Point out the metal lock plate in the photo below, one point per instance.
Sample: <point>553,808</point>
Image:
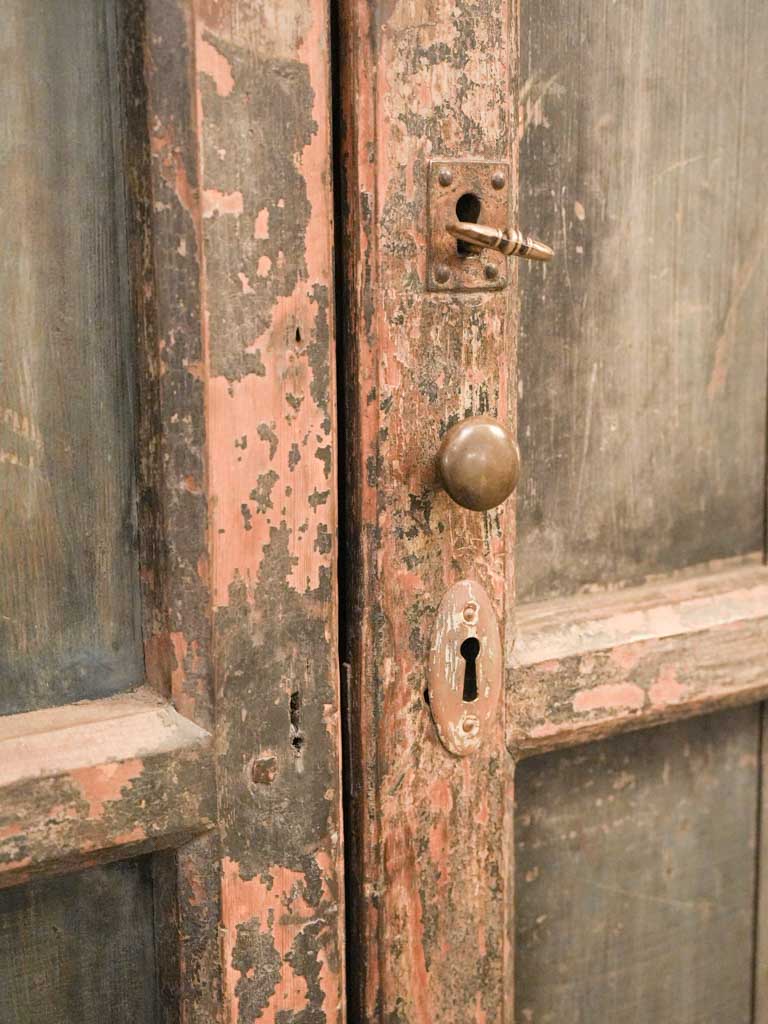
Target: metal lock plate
<point>453,182</point>
<point>465,668</point>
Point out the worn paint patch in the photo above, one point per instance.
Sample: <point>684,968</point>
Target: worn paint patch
<point>618,695</point>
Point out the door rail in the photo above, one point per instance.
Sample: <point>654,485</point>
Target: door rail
<point>100,780</point>
<point>586,667</point>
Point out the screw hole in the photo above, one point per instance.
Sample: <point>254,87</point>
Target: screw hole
<point>468,209</point>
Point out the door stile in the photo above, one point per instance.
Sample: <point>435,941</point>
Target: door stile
<point>427,858</point>
<point>242,226</point>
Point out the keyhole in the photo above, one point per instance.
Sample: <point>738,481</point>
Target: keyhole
<point>468,209</point>
<point>469,651</point>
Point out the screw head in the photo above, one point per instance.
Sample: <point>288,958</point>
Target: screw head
<point>498,180</point>
<point>491,271</point>
<point>471,725</point>
<point>442,274</point>
<point>470,612</point>
<point>445,177</point>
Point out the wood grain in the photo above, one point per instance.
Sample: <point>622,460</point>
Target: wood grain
<point>426,848</point>
<point>80,948</point>
<point>635,877</point>
<point>69,616</point>
<point>642,392</point>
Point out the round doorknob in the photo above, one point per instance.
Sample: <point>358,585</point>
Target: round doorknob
<point>479,463</point>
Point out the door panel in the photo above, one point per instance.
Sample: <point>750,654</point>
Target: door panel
<point>80,948</point>
<point>639,533</point>
<point>642,361</point>
<point>69,614</point>
<point>635,876</point>
<point>228,764</point>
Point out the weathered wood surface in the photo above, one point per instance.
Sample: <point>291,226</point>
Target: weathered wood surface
<point>100,779</point>
<point>591,665</point>
<point>69,619</point>
<point>427,842</point>
<point>642,396</point>
<point>249,189</point>
<point>158,53</point>
<point>635,877</point>
<point>80,949</point>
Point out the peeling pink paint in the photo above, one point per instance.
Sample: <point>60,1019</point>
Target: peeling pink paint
<point>215,202</point>
<point>666,689</point>
<point>213,64</point>
<point>261,224</point>
<point>104,783</point>
<point>245,284</point>
<point>612,695</point>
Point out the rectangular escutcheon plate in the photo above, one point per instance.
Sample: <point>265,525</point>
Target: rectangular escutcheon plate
<point>474,190</point>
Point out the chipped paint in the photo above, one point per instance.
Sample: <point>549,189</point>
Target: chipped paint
<point>610,695</point>
<point>701,638</point>
<point>417,81</point>
<point>264,122</point>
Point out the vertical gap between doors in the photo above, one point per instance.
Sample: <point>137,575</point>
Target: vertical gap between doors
<point>759,995</point>
<point>345,559</point>
<point>765,477</point>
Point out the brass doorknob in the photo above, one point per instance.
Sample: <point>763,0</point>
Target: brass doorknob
<point>479,463</point>
<point>510,242</point>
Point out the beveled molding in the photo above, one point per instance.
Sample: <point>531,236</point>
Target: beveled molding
<point>100,780</point>
<point>586,667</point>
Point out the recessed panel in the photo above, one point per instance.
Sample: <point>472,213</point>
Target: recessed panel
<point>635,877</point>
<point>68,598</point>
<point>642,350</point>
<point>79,949</point>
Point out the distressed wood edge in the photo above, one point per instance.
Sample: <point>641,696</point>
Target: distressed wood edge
<point>760,980</point>
<point>164,212</point>
<point>635,686</point>
<point>77,737</point>
<point>100,780</point>
<point>187,902</point>
<point>356,177</point>
<point>593,622</point>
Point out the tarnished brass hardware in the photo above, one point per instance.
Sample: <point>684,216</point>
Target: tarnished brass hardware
<point>465,668</point>
<point>510,241</point>
<point>479,463</point>
<point>484,184</point>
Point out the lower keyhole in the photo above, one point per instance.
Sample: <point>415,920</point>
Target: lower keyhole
<point>469,651</point>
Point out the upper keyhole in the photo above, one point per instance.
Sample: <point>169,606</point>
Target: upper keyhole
<point>468,209</point>
<point>469,651</point>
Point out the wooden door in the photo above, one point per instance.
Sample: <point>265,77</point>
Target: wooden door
<point>170,833</point>
<point>598,858</point>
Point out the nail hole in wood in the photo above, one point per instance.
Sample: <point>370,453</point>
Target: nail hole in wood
<point>297,737</point>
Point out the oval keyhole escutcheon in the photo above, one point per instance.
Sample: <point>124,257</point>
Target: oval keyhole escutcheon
<point>465,668</point>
